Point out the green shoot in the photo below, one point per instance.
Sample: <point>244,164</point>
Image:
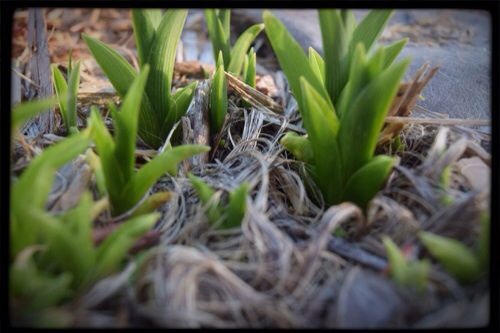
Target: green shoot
<point>410,274</point>
<point>124,186</point>
<point>343,101</point>
<point>156,41</point>
<point>218,97</point>
<point>218,22</point>
<point>67,93</point>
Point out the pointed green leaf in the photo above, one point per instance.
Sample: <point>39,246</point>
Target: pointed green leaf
<point>111,252</point>
<point>145,22</point>
<point>179,105</point>
<point>25,110</point>
<point>237,206</point>
<point>335,49</point>
<point>457,258</point>
<point>241,47</point>
<point>317,64</point>
<point>218,37</point>
<point>393,50</point>
<point>72,95</point>
<point>154,169</point>
<point>292,59</point>
<point>362,122</point>
<point>161,59</point>
<point>367,181</point>
<point>398,264</point>
<point>322,126</point>
<point>206,195</point>
<point>126,123</point>
<point>299,146</point>
<point>369,29</point>
<point>218,100</point>
<point>61,89</point>
<point>249,72</point>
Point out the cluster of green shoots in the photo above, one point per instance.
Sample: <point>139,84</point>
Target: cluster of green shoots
<point>343,98</point>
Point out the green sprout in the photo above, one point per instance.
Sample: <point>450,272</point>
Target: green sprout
<point>465,265</point>
<point>410,274</point>
<point>156,38</point>
<point>218,97</point>
<point>124,186</point>
<point>67,94</point>
<point>232,214</point>
<point>218,22</point>
<point>343,99</point>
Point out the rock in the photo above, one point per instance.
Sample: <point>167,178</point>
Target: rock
<point>457,40</point>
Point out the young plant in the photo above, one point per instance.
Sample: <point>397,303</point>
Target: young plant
<point>343,100</point>
<point>249,71</point>
<point>218,22</point>
<point>218,97</point>
<point>124,186</point>
<point>232,214</point>
<point>410,274</point>
<point>28,194</point>
<point>156,38</point>
<point>461,262</point>
<point>67,94</point>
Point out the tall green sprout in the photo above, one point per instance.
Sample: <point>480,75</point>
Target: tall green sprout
<point>343,99</point>
<point>156,38</point>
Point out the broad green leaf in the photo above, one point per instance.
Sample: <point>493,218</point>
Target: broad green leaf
<point>113,249</point>
<point>322,130</point>
<point>145,22</point>
<point>457,258</point>
<point>118,70</point>
<point>241,47</point>
<point>393,50</point>
<point>362,122</point>
<point>237,206</point>
<point>317,64</point>
<point>367,181</point>
<point>224,16</point>
<point>161,59</point>
<point>292,59</point>
<point>61,89</point>
<point>25,110</point>
<point>218,99</point>
<point>154,169</point>
<point>370,28</point>
<point>336,52</point>
<point>121,75</point>
<point>299,146</point>
<point>206,195</point>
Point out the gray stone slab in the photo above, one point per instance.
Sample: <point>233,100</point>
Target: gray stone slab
<point>457,40</point>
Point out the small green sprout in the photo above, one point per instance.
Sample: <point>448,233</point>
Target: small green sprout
<point>218,97</point>
<point>460,261</point>
<point>232,214</point>
<point>156,38</point>
<point>124,186</point>
<point>67,94</point>
<point>343,101</point>
<point>410,274</point>
<point>218,22</point>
